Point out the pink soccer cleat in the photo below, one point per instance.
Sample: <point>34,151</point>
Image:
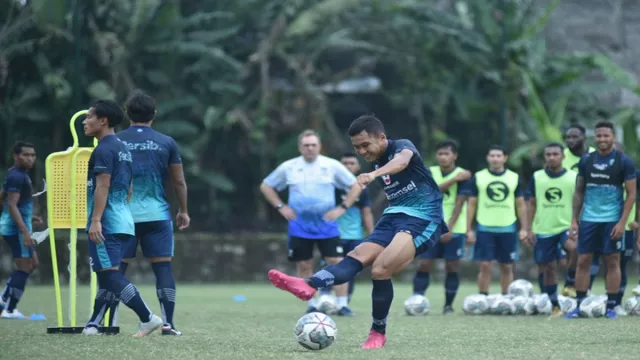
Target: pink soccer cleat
<point>375,340</point>
<point>295,285</point>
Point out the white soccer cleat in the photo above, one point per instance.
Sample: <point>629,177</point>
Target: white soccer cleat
<point>150,326</point>
<point>90,331</point>
<point>15,314</point>
<point>168,330</point>
<point>636,290</point>
<point>620,311</point>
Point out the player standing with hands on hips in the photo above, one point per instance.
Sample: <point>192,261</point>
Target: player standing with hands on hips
<point>312,180</point>
<point>600,213</point>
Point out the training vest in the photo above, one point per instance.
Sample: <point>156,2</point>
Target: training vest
<point>570,161</point>
<point>496,198</point>
<point>554,198</point>
<point>449,199</point>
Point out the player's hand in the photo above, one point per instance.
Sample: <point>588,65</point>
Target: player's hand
<point>463,175</point>
<point>334,214</point>
<point>182,220</point>
<point>573,231</point>
<point>37,220</point>
<point>365,179</point>
<point>129,194</point>
<point>531,239</point>
<point>617,231</point>
<point>471,237</point>
<point>95,232</point>
<point>287,213</point>
<point>446,238</point>
<point>35,261</point>
<point>634,225</point>
<point>524,236</point>
<point>27,241</point>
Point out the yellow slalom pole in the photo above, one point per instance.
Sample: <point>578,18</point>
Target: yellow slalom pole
<point>52,242</point>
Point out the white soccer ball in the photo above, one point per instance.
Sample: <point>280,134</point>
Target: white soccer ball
<point>416,305</point>
<point>542,304</point>
<point>530,307</point>
<point>315,331</point>
<point>492,299</point>
<point>567,304</point>
<point>593,307</point>
<point>475,304</point>
<point>521,287</point>
<point>632,305</point>
<point>522,305</point>
<point>502,306</point>
<point>328,304</point>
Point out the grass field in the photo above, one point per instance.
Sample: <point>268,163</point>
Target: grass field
<point>216,327</point>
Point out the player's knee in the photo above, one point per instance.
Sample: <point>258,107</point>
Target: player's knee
<point>506,268</point>
<point>333,260</point>
<point>154,260</point>
<point>452,266</point>
<point>380,272</point>
<point>424,265</point>
<point>485,267</point>
<point>25,265</point>
<point>304,266</point>
<point>612,263</point>
<point>584,263</point>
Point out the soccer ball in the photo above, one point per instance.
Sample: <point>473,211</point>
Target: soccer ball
<point>632,305</point>
<point>328,304</point>
<point>475,304</point>
<point>315,331</point>
<point>502,306</point>
<point>522,305</point>
<point>593,306</point>
<point>567,304</point>
<point>521,287</point>
<point>416,305</point>
<point>492,298</point>
<point>542,304</point>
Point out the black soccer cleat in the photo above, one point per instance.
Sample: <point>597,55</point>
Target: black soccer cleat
<point>448,309</point>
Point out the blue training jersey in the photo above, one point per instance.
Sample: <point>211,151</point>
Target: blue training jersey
<point>350,223</point>
<point>153,153</point>
<point>312,188</point>
<point>17,181</point>
<point>604,178</point>
<point>412,191</point>
<point>112,157</point>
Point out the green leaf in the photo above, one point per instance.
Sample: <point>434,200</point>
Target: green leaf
<point>615,72</point>
<point>101,90</point>
<point>213,36</point>
<point>559,111</point>
<point>217,180</point>
<point>211,118</point>
<point>310,20</point>
<point>167,107</point>
<point>177,128</point>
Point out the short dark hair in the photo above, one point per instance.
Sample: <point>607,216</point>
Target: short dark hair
<point>556,145</point>
<point>19,145</point>
<point>369,123</point>
<point>348,155</point>
<point>109,109</point>
<point>497,147</point>
<point>449,143</point>
<point>605,124</point>
<point>578,127</point>
<point>141,108</point>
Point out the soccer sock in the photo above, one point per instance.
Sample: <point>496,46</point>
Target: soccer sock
<point>381,298</point>
<point>541,281</point>
<point>612,300</point>
<point>623,278</point>
<point>580,295</point>
<point>570,280</point>
<point>485,293</point>
<point>451,285</point>
<point>552,291</point>
<point>103,299</point>
<point>166,289</point>
<point>343,301</point>
<point>336,274</point>
<point>113,310</point>
<point>352,286</point>
<point>421,282</point>
<point>15,288</point>
<point>129,295</point>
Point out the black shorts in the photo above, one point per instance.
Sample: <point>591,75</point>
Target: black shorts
<point>301,249</point>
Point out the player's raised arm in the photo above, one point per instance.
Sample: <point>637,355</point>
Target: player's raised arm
<point>462,176</point>
<point>399,162</point>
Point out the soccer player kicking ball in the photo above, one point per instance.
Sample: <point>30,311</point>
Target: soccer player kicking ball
<point>452,181</point>
<point>155,157</point>
<point>16,226</point>
<point>409,226</point>
<point>496,203</point>
<point>550,194</point>
<point>110,224</point>
<point>600,213</point>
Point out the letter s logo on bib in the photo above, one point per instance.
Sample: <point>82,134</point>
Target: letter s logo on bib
<point>497,191</point>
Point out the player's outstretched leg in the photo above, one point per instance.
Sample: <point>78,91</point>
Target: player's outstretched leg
<point>130,296</point>
<point>104,300</point>
<point>166,290</point>
<point>451,284</point>
<point>113,309</point>
<point>12,294</point>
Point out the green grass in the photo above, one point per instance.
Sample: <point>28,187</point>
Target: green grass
<point>216,327</point>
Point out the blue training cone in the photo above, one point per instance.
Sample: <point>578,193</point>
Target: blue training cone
<point>37,317</point>
<point>239,298</point>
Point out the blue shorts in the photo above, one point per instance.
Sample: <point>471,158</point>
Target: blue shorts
<point>18,250</point>
<point>501,247</point>
<point>349,245</point>
<point>425,233</point>
<point>453,250</point>
<point>595,238</point>
<point>549,248</point>
<point>629,243</point>
<point>109,253</point>
<point>154,237</point>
